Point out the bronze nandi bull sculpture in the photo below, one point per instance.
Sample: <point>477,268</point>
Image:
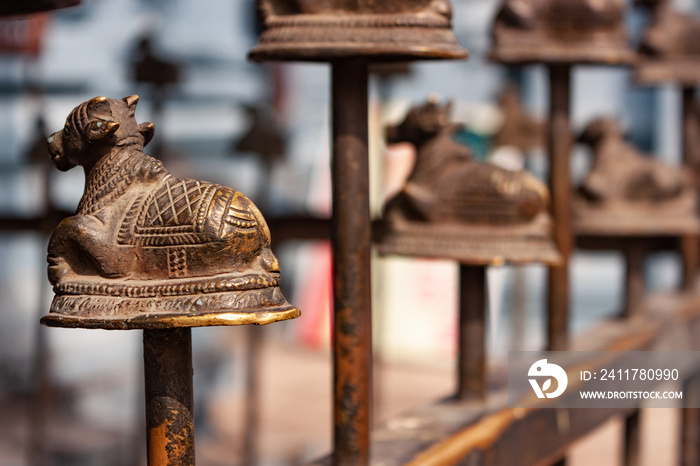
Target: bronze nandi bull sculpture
<point>455,206</point>
<point>620,173</point>
<point>670,34</point>
<point>627,192</point>
<point>560,31</point>
<point>147,249</point>
<point>670,46</point>
<point>447,184</point>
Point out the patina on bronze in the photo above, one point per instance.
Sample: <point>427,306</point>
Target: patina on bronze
<point>149,250</point>
<point>670,47</point>
<point>453,206</point>
<point>324,30</point>
<point>628,193</point>
<point>557,31</point>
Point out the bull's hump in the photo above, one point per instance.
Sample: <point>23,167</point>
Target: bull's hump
<point>229,212</point>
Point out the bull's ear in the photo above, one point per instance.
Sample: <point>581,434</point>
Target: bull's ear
<point>147,129</point>
<point>131,102</point>
<point>97,104</point>
<point>97,130</point>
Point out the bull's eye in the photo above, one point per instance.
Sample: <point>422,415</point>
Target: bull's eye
<point>99,123</point>
<point>49,139</point>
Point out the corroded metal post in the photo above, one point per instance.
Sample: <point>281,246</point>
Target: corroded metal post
<point>471,384</point>
<point>351,237</point>
<point>633,439</point>
<point>690,252</point>
<point>167,357</point>
<point>348,35</point>
<point>559,148</point>
<point>251,412</point>
<point>690,122</point>
<point>690,422</point>
<point>634,277</point>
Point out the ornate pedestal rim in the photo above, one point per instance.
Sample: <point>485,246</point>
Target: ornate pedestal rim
<point>682,69</point>
<point>525,48</point>
<point>471,244</point>
<point>240,307</point>
<point>146,321</point>
<point>372,37</point>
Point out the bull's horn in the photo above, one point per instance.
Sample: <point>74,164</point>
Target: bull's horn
<point>131,100</point>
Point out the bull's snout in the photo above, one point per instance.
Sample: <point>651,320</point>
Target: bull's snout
<point>55,142</point>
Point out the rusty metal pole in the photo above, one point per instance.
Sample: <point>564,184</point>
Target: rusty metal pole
<point>167,356</point>
<point>690,249</point>
<point>690,417</point>
<point>634,277</point>
<point>351,236</point>
<point>690,422</point>
<point>633,439</point>
<point>559,148</point>
<point>689,124</point>
<point>251,413</point>
<point>471,377</point>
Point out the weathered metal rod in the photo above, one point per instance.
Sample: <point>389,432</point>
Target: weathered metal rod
<point>251,412</point>
<point>559,148</point>
<point>690,417</point>
<point>690,252</point>
<point>471,377</point>
<point>633,439</point>
<point>690,422</point>
<point>688,124</point>
<point>634,276</point>
<point>167,356</point>
<point>351,237</point>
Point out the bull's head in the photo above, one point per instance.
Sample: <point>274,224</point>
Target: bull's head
<point>93,128</point>
<point>599,130</point>
<point>421,123</point>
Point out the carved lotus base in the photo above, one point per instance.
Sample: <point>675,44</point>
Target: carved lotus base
<point>121,304</point>
<point>471,244</point>
<point>519,47</point>
<point>670,218</point>
<point>684,70</point>
<point>325,37</point>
